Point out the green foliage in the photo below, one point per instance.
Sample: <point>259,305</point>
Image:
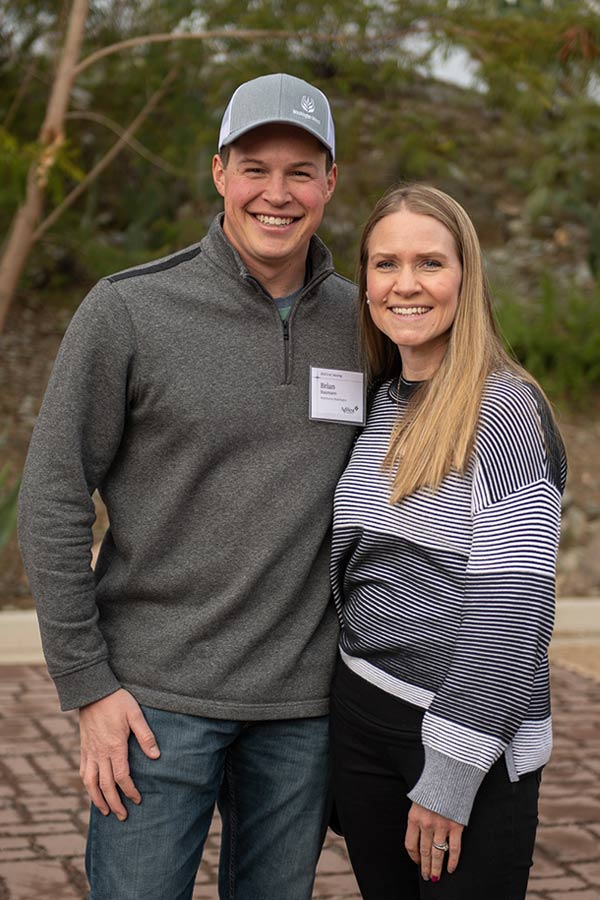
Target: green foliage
<point>8,507</point>
<point>15,159</point>
<point>99,257</point>
<point>527,130</point>
<point>556,338</point>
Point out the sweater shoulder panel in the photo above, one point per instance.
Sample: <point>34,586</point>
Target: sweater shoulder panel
<point>517,442</point>
<point>160,265</point>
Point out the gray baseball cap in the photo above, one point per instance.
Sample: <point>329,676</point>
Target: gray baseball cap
<point>278,98</point>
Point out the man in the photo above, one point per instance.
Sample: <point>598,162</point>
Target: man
<point>199,652</point>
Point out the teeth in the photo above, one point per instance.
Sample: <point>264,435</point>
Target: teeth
<point>274,220</point>
<point>409,310</point>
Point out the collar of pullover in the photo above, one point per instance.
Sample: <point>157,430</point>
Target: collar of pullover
<point>218,249</point>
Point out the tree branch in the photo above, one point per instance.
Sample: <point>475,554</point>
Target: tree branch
<point>229,34</point>
<point>131,141</point>
<point>108,157</point>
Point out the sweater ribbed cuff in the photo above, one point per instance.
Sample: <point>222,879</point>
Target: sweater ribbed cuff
<point>447,786</point>
<point>77,689</point>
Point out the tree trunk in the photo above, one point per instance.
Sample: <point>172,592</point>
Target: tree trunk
<point>26,219</point>
<point>19,243</point>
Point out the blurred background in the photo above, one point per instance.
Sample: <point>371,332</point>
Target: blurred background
<point>109,114</point>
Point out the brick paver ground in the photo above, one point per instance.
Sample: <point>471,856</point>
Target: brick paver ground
<point>43,812</point>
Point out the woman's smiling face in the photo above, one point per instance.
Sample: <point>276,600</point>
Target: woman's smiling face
<point>414,275</point>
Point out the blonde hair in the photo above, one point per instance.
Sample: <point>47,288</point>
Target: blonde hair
<point>438,431</point>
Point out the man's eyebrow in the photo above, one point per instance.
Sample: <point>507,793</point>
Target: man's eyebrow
<point>301,164</point>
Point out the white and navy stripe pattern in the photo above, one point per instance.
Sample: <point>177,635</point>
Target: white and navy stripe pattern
<point>446,599</point>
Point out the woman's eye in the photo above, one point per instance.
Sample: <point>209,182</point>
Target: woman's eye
<point>384,264</point>
<point>431,263</point>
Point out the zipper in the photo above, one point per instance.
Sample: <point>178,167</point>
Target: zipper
<point>287,322</point>
<point>286,348</point>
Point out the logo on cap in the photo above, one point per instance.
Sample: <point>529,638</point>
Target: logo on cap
<point>307,104</point>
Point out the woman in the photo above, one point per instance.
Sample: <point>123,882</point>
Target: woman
<point>445,535</point>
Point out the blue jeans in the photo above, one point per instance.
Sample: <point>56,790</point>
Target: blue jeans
<point>271,782</point>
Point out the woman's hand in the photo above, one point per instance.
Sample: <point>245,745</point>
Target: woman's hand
<point>425,827</point>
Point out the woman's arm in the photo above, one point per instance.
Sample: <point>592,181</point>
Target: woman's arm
<point>496,679</point>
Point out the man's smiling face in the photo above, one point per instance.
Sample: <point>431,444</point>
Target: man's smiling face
<point>275,187</point>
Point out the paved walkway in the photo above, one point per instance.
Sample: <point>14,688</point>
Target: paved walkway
<point>43,812</point>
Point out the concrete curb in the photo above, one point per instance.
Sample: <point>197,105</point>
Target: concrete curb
<point>577,616</point>
<point>20,644</point>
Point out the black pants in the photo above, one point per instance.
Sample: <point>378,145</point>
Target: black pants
<point>377,757</point>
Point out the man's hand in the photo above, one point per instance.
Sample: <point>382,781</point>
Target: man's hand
<point>425,827</point>
<point>104,728</point>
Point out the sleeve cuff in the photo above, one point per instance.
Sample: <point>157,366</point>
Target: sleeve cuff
<point>447,786</point>
<point>77,689</point>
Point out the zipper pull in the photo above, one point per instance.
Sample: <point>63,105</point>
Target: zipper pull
<point>286,330</point>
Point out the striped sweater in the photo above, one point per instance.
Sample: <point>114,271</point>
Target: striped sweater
<point>446,599</point>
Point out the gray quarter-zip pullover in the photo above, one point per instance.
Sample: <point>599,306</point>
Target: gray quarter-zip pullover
<point>182,397</point>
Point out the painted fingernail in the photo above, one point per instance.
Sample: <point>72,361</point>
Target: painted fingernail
<point>435,878</point>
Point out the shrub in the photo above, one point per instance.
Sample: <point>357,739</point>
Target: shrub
<point>556,337</point>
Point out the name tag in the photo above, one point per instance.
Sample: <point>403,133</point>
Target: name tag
<point>337,395</point>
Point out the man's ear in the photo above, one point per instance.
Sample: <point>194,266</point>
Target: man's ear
<point>218,174</point>
<point>331,182</point>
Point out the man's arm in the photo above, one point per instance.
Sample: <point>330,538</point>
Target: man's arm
<point>75,440</point>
